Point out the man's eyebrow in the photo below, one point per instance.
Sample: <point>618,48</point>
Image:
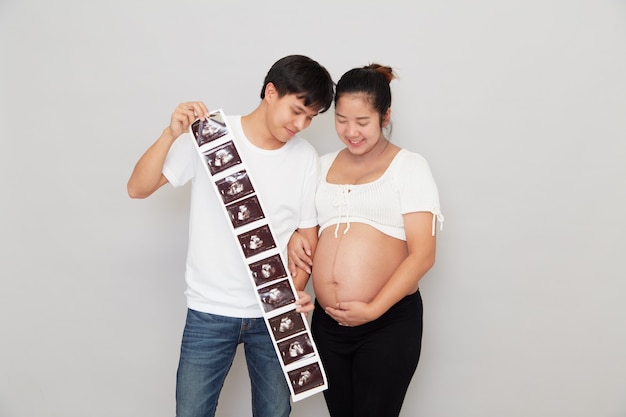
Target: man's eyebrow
<point>304,109</point>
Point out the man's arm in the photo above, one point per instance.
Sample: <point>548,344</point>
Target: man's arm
<point>301,277</point>
<point>299,253</point>
<point>147,176</point>
<point>309,238</point>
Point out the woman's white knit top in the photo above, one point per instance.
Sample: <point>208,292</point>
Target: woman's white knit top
<point>406,186</point>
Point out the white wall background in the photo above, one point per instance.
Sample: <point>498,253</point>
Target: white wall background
<point>519,107</point>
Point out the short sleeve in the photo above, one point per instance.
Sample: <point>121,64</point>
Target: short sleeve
<point>308,211</point>
<point>181,161</point>
<point>417,188</point>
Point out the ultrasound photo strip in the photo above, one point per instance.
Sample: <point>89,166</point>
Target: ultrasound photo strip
<point>276,293</point>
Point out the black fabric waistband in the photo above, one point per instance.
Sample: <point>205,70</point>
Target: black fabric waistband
<point>405,305</point>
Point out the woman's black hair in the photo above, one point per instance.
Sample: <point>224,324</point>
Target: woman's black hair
<point>373,81</point>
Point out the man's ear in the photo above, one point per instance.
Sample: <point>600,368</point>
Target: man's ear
<point>270,91</point>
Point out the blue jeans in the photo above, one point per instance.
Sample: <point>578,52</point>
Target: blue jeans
<point>206,355</point>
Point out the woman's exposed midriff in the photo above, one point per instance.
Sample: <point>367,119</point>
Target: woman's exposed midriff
<point>356,265</point>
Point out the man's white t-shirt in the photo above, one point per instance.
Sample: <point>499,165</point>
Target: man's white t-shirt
<point>218,280</point>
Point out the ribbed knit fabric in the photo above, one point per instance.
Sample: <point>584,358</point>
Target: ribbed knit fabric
<point>407,186</point>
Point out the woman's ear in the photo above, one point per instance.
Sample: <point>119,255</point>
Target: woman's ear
<point>387,117</point>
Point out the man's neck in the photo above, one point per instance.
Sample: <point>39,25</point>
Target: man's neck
<point>255,129</point>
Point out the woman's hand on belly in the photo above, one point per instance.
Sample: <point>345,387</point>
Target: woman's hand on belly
<point>352,313</point>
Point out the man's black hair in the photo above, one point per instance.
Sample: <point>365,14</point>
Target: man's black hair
<point>304,77</point>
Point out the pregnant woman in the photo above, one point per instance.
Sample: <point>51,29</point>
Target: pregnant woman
<point>377,206</point>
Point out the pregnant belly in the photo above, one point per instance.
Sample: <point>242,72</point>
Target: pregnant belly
<point>354,266</point>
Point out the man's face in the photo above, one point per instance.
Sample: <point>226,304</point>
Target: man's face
<point>287,116</point>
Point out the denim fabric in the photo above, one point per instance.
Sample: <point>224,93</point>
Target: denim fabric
<point>207,352</point>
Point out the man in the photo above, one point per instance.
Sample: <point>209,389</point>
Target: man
<point>222,306</point>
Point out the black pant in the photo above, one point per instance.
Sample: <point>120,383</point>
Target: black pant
<point>369,367</point>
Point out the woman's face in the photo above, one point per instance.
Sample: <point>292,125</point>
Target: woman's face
<point>358,124</point>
